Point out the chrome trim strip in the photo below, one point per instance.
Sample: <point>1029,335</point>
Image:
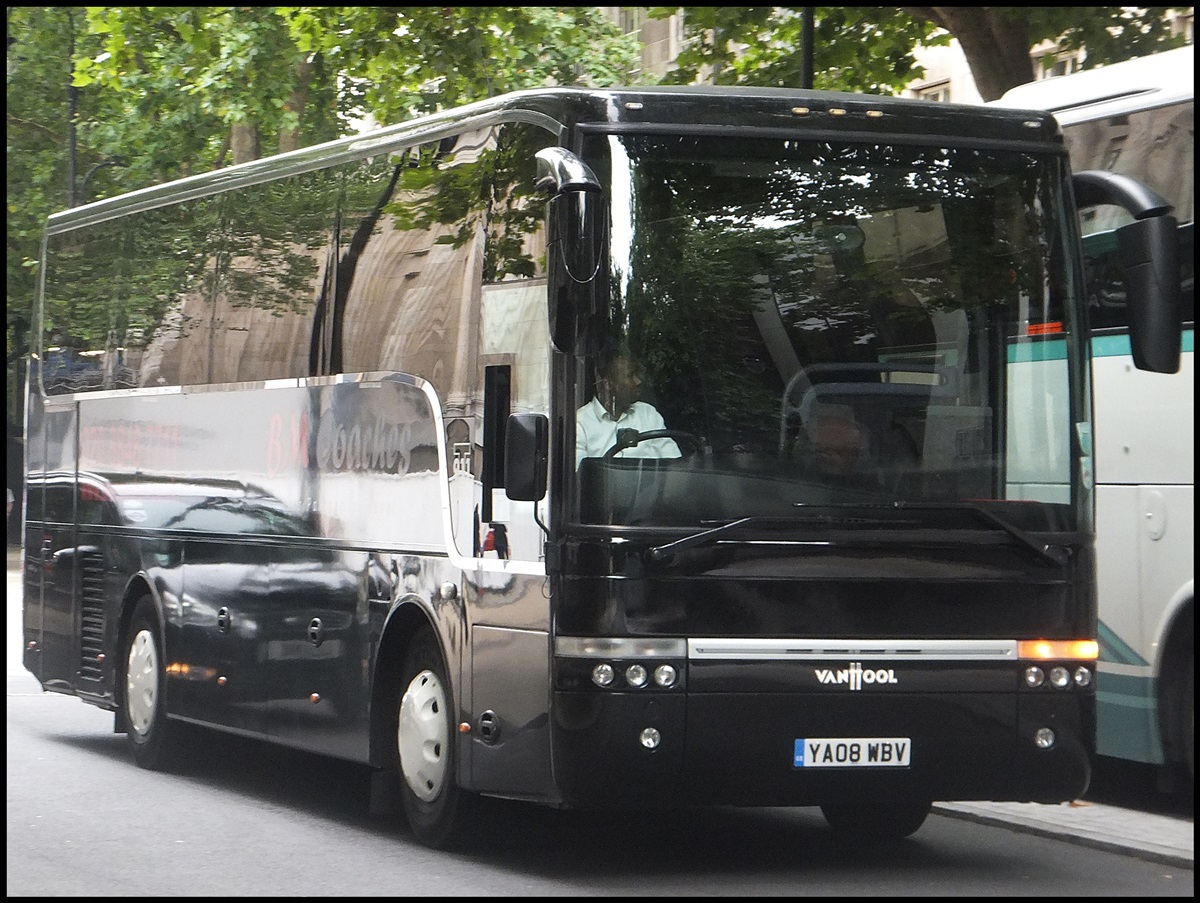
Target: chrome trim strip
<point>619,647</point>
<point>701,649</point>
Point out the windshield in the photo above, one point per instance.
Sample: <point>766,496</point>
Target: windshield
<point>799,323</point>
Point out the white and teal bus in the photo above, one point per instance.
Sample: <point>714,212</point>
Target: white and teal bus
<point>1136,118</point>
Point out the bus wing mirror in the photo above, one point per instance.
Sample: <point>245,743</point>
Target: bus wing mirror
<point>577,215</point>
<point>526,450</point>
<point>1149,258</point>
<point>560,170</point>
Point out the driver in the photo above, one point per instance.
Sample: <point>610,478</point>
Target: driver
<point>616,407</point>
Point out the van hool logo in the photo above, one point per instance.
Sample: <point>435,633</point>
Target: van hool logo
<point>856,676</point>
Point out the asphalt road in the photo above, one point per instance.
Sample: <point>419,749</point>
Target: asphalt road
<point>1123,812</point>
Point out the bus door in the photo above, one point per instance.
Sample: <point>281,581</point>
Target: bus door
<point>506,598</point>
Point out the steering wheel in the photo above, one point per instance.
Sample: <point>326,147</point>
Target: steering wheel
<point>628,438</point>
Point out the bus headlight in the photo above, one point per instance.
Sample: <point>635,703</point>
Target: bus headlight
<point>1083,677</point>
<point>1034,676</point>
<point>650,738</point>
<point>665,675</point>
<point>602,674</point>
<point>635,675</point>
<point>1059,676</point>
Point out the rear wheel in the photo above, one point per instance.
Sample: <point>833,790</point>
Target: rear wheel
<point>878,820</point>
<point>143,698</point>
<point>436,807</point>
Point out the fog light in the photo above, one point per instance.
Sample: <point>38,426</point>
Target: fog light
<point>1034,676</point>
<point>1060,676</point>
<point>651,738</point>
<point>1044,738</point>
<point>1083,677</point>
<point>635,675</point>
<point>665,675</point>
<point>602,675</point>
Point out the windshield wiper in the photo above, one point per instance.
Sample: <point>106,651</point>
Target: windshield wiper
<point>1052,554</point>
<point>661,553</point>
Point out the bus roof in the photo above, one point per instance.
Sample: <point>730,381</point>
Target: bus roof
<point>692,108</point>
<point>1148,81</point>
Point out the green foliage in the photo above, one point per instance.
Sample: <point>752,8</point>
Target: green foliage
<point>158,92</point>
<point>869,49</point>
<point>108,99</point>
<point>399,61</point>
<point>1110,33</point>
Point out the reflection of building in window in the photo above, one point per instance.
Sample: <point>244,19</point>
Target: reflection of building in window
<point>1115,147</point>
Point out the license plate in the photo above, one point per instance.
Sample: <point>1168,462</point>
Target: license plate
<point>852,752</point>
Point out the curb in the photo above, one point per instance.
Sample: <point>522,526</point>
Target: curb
<point>1154,838</point>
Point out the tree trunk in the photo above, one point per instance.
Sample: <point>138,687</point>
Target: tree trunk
<point>996,46</point>
<point>289,139</point>
<point>243,139</point>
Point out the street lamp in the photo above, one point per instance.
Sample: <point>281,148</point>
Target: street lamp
<point>83,189</point>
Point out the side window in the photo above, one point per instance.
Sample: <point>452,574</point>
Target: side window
<point>60,503</point>
<point>410,268</point>
<point>410,254</point>
<point>173,255</point>
<point>514,339</point>
<point>215,290</point>
<point>34,495</point>
<point>1154,147</point>
<point>274,276</point>
<point>85,294</point>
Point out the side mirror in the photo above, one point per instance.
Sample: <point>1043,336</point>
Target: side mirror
<point>1149,258</point>
<point>526,451</point>
<point>577,215</point>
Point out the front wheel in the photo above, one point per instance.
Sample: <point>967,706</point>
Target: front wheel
<point>878,820</point>
<point>143,700</point>
<point>436,807</point>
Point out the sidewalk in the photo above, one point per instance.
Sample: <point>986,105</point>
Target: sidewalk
<point>1146,835</point>
<point>1156,838</point>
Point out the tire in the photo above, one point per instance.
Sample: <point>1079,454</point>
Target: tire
<point>1187,721</point>
<point>143,688</point>
<point>438,810</point>
<point>880,820</point>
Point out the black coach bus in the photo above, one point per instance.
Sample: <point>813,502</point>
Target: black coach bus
<point>594,448</point>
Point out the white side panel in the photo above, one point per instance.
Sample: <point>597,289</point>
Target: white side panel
<point>1145,423</point>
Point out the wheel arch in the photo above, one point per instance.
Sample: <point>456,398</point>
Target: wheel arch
<point>407,619</point>
<point>1177,645</point>
<point>139,585</point>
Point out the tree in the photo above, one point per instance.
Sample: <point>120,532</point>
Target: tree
<point>870,49</point>
<point>109,99</point>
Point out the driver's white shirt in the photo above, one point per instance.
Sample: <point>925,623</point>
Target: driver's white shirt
<point>596,432</point>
